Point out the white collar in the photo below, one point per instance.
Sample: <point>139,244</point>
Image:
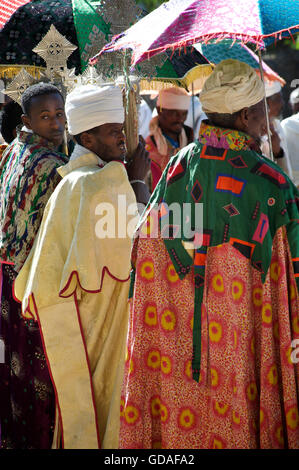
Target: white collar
<point>80,157</point>
<point>26,129</point>
<point>79,150</point>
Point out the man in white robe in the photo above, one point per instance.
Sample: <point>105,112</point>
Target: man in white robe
<point>75,280</point>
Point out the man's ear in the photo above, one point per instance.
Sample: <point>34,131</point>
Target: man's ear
<point>26,121</point>
<point>242,120</point>
<point>86,139</point>
<point>243,116</point>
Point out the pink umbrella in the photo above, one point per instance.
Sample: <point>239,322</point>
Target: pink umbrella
<point>7,8</point>
<point>179,23</point>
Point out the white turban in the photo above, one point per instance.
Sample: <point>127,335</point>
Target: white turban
<point>272,87</point>
<point>232,86</point>
<point>89,106</point>
<point>174,98</point>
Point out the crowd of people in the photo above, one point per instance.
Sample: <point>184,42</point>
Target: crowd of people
<point>150,301</point>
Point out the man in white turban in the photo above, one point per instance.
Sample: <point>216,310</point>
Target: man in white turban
<point>213,329</point>
<point>75,280</point>
<point>167,132</point>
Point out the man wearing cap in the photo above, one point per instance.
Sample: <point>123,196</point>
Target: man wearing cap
<point>167,132</point>
<point>279,145</point>
<point>75,281</point>
<point>290,127</point>
<point>213,330</point>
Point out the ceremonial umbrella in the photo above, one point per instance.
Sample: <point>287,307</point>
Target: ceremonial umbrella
<point>24,30</point>
<point>216,51</point>
<point>191,67</point>
<point>178,23</point>
<point>88,25</point>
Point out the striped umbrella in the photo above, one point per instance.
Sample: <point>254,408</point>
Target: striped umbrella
<point>7,8</point>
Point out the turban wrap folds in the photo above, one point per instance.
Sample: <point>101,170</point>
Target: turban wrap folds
<point>232,86</point>
<point>174,98</point>
<point>89,106</point>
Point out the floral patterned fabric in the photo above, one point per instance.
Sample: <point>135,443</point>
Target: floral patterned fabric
<point>247,393</point>
<point>210,340</point>
<point>245,199</point>
<point>225,138</point>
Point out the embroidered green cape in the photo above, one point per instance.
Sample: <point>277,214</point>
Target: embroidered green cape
<point>245,199</point>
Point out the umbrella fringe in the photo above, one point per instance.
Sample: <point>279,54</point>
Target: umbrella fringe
<point>156,84</point>
<point>11,71</point>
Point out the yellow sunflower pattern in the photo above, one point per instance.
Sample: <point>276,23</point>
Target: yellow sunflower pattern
<point>246,326</point>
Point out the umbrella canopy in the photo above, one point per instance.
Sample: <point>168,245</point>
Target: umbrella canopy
<point>79,21</point>
<point>179,23</point>
<point>7,8</point>
<point>86,26</point>
<point>188,69</point>
<point>18,41</point>
<point>216,51</point>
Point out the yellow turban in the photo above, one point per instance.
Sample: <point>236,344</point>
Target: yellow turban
<point>232,86</point>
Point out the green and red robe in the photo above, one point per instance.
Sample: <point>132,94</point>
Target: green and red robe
<point>211,357</point>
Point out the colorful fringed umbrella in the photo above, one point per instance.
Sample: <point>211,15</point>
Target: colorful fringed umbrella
<point>188,69</point>
<point>24,30</point>
<point>179,23</point>
<point>216,51</point>
<point>87,25</point>
<point>191,67</point>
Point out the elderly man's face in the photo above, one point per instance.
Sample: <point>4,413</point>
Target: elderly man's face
<point>171,121</point>
<point>256,120</point>
<point>107,141</point>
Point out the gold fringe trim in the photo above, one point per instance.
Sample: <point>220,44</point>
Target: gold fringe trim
<point>196,77</point>
<point>10,71</point>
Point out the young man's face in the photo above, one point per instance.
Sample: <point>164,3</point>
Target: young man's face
<point>172,120</point>
<point>107,141</point>
<point>46,117</point>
